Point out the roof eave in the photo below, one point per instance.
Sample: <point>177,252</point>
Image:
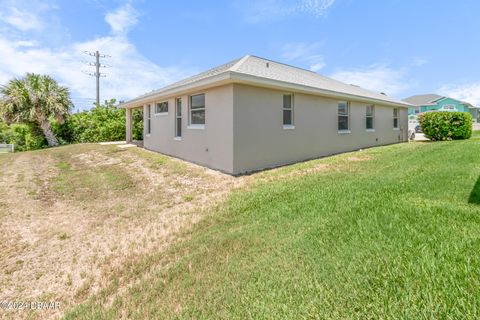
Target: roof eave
<point>217,80</point>
<point>236,77</point>
<point>277,84</point>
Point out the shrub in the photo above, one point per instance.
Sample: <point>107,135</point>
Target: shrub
<point>137,130</point>
<point>23,136</point>
<point>444,125</point>
<point>101,123</point>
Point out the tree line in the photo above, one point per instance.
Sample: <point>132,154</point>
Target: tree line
<point>36,112</point>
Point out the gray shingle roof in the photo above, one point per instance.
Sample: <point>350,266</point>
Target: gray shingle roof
<point>423,99</point>
<point>278,71</point>
<point>257,68</point>
<point>204,75</point>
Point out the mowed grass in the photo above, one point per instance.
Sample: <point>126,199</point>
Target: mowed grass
<point>393,232</point>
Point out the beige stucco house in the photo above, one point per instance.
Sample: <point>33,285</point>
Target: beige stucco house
<point>253,113</point>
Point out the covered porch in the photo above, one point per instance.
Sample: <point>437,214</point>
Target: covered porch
<point>134,125</point>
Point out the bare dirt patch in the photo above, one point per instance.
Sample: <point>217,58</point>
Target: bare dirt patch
<point>71,216</point>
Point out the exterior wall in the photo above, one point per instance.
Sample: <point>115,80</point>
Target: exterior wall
<point>458,105</point>
<point>211,146</point>
<point>440,105</point>
<point>260,141</point>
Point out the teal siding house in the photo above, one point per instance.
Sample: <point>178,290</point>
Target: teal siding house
<point>435,102</point>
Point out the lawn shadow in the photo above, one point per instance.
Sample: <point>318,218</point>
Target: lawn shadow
<point>475,195</point>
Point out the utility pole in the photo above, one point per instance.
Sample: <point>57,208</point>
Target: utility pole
<point>97,73</point>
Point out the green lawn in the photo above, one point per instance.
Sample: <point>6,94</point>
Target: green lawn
<point>386,233</point>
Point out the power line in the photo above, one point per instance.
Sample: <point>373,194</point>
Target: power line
<point>81,98</point>
<point>97,74</point>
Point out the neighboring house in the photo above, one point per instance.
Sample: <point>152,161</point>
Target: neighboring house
<point>435,102</point>
<point>253,113</point>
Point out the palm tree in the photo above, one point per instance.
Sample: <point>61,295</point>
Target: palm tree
<point>35,99</point>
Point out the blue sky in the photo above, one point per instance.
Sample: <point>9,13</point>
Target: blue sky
<point>400,47</point>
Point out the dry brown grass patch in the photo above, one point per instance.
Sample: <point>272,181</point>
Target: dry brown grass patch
<point>74,215</point>
<point>359,158</point>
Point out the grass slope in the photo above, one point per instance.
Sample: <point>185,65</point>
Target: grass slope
<point>393,232</point>
<point>71,216</point>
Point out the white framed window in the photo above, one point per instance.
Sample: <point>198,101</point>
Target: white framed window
<point>395,118</point>
<point>287,110</point>
<point>178,118</point>
<point>197,110</point>
<point>343,116</point>
<point>149,119</point>
<point>370,117</point>
<point>161,107</point>
<point>417,110</point>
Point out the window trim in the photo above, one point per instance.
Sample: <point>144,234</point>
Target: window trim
<point>164,113</point>
<point>348,130</point>
<point>196,125</point>
<point>372,129</point>
<point>397,117</point>
<point>291,125</point>
<point>176,117</point>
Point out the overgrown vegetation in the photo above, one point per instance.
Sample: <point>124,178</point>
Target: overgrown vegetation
<point>444,125</point>
<point>35,100</point>
<point>35,112</point>
<point>102,123</point>
<point>23,136</point>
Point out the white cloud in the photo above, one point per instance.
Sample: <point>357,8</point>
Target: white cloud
<point>315,7</point>
<point>131,74</point>
<point>25,43</point>
<point>468,92</point>
<point>264,10</point>
<point>21,19</point>
<point>306,53</point>
<point>298,50</point>
<point>377,77</point>
<point>122,19</point>
<point>318,65</point>
<point>419,62</point>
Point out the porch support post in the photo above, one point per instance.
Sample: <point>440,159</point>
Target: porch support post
<point>128,114</point>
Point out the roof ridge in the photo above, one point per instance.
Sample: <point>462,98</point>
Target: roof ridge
<point>324,77</point>
<point>285,64</point>
<point>239,63</point>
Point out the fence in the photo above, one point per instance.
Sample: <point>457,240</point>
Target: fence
<point>6,148</point>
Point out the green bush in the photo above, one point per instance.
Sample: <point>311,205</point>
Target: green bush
<point>137,118</point>
<point>444,125</point>
<point>101,123</point>
<point>23,136</point>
